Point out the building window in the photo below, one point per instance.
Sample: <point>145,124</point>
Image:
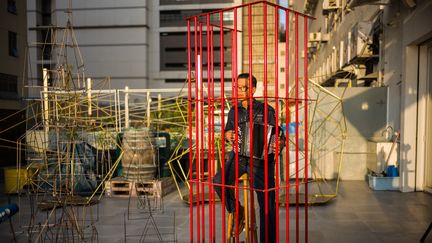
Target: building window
<point>181,2</point>
<point>170,18</point>
<point>282,69</point>
<point>173,51</point>
<point>13,47</point>
<point>8,85</point>
<point>11,6</point>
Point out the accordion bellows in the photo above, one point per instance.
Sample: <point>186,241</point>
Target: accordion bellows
<point>257,137</point>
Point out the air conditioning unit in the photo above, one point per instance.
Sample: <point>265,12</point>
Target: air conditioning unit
<point>318,37</point>
<point>315,36</point>
<point>331,5</point>
<point>290,3</point>
<point>312,47</point>
<point>361,38</point>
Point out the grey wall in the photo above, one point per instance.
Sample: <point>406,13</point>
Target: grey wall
<point>405,30</point>
<point>393,62</point>
<point>359,118</point>
<point>113,39</point>
<point>365,114</point>
<point>402,27</point>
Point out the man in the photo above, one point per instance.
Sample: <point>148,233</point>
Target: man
<point>258,172</point>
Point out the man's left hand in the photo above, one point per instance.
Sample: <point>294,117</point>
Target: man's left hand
<point>273,146</point>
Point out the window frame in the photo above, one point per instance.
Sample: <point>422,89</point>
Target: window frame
<point>13,44</point>
<point>12,7</point>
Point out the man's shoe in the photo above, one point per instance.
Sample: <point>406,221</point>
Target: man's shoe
<point>241,221</point>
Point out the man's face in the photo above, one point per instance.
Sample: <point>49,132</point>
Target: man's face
<point>243,89</point>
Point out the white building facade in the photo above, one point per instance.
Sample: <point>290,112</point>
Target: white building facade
<point>137,43</point>
<point>364,44</point>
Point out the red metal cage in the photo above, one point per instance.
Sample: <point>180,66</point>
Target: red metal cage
<point>222,44</point>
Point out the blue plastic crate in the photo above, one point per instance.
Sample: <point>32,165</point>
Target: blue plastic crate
<point>384,183</point>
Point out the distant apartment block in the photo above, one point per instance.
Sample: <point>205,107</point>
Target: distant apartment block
<point>13,38</point>
<point>13,32</point>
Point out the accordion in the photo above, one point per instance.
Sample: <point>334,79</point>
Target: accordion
<point>257,138</point>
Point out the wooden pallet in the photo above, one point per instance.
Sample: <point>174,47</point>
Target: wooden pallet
<point>144,189</point>
<point>120,187</point>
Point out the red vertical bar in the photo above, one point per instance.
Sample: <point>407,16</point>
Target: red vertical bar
<point>234,73</point>
<point>215,158</point>
<point>265,124</point>
<point>222,78</point>
<point>209,145</point>
<point>191,155</point>
<point>212,129</point>
<point>201,141</point>
<point>297,122</point>
<point>213,141</point>
<point>305,69</point>
<point>287,111</point>
<point>198,138</point>
<point>276,57</point>
<point>251,191</point>
<point>189,122</point>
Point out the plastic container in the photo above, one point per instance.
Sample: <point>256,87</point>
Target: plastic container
<point>384,183</point>
<point>15,179</point>
<point>392,171</point>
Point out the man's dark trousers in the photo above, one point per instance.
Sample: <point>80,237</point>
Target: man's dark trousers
<point>258,183</point>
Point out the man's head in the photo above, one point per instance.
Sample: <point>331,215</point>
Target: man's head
<point>243,85</point>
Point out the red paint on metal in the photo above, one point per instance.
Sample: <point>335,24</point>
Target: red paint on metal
<point>287,121</point>
<point>265,123</point>
<point>276,60</point>
<point>296,52</point>
<point>305,65</point>
<point>251,179</point>
<point>208,120</point>
<point>222,78</point>
<point>207,218</point>
<point>190,124</point>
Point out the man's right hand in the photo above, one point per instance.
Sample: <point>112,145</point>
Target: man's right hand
<point>230,136</point>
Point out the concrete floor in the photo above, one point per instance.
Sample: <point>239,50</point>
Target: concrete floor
<point>358,214</point>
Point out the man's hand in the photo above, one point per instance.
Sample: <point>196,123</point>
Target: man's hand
<point>230,136</point>
<point>273,146</point>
